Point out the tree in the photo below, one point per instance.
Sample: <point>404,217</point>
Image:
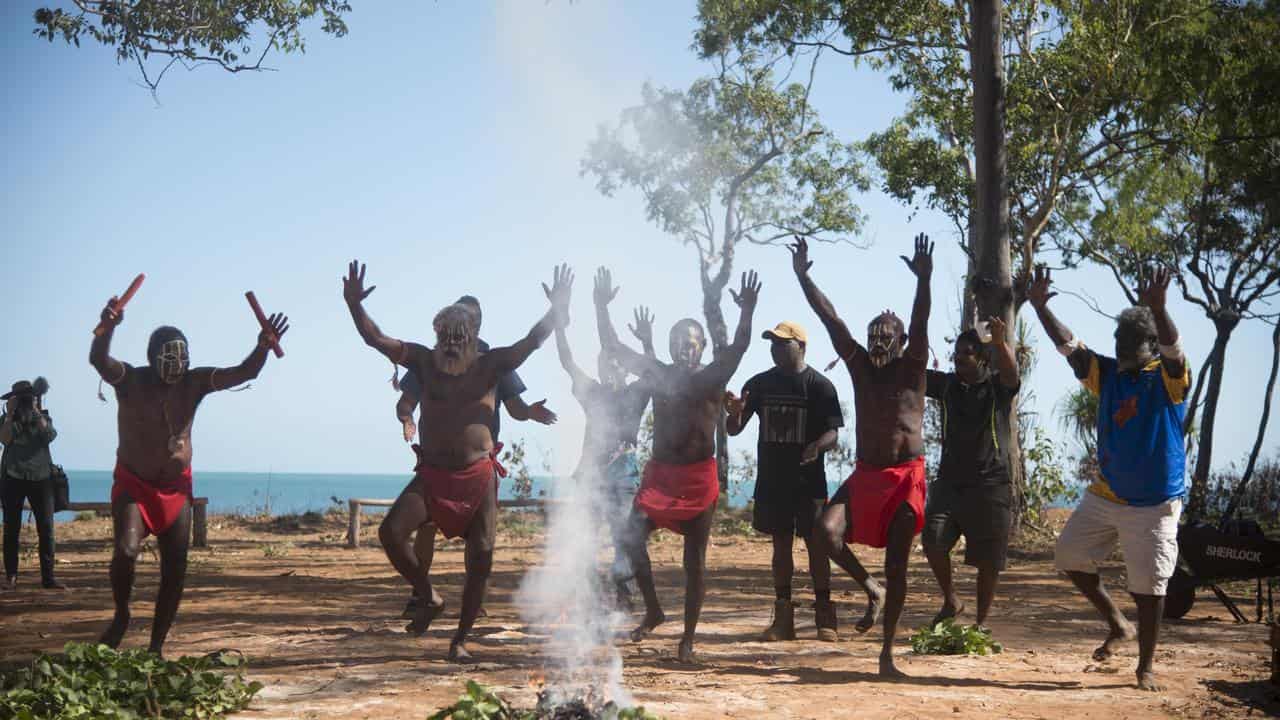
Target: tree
<point>738,157</point>
<point>1060,75</point>
<point>1207,203</point>
<point>190,32</point>
<point>1079,108</point>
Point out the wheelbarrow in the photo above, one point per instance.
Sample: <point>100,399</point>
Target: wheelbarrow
<point>1208,556</point>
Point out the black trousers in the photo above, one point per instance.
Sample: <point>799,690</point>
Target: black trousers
<point>40,495</point>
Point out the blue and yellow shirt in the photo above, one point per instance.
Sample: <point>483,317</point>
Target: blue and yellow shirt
<point>1140,447</point>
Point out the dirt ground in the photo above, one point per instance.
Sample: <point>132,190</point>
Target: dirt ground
<point>320,624</point>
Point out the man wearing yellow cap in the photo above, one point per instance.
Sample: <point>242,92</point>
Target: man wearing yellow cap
<point>799,414</point>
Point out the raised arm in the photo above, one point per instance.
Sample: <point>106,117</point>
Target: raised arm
<point>1038,295</point>
<point>841,339</point>
<point>643,331</point>
<point>1005,362</point>
<point>354,292</point>
<point>579,378</point>
<point>1152,289</point>
<point>726,364</point>
<point>109,369</point>
<point>633,361</point>
<point>921,264</point>
<point>223,378</point>
<point>507,359</point>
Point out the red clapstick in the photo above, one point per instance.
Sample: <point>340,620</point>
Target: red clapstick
<point>262,320</point>
<point>118,305</point>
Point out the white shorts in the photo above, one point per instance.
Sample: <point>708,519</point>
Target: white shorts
<point>1148,538</point>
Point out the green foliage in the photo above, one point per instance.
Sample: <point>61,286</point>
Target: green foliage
<point>478,703</point>
<point>1078,414</point>
<point>481,703</point>
<point>218,32</point>
<point>84,515</point>
<point>736,157</point>
<point>1077,107</point>
<point>94,681</point>
<point>513,458</point>
<point>740,146</point>
<point>1046,482</point>
<point>948,638</point>
<point>276,550</point>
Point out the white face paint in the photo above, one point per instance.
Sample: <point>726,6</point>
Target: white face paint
<point>883,343</point>
<point>172,362</point>
<point>455,350</point>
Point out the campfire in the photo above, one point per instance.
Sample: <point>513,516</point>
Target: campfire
<point>590,705</point>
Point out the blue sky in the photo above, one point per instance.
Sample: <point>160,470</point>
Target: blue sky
<point>440,144</point>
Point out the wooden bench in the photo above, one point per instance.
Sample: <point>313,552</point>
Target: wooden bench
<point>354,505</point>
<point>199,516</point>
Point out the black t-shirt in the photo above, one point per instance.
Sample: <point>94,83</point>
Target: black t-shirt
<point>794,411</point>
<point>509,385</point>
<point>975,428</point>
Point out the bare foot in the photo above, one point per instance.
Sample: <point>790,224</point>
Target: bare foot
<point>458,653</point>
<point>888,670</point>
<point>423,617</point>
<point>1121,633</point>
<point>948,612</point>
<point>875,601</point>
<point>684,653</point>
<point>1148,681</point>
<point>650,621</point>
<point>115,631</point>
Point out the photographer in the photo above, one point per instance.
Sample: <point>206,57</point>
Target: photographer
<point>26,472</point>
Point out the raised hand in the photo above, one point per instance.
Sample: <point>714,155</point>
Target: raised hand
<point>998,331</point>
<point>559,293</point>
<point>353,290</point>
<point>279,323</point>
<point>747,295</point>
<point>1153,286</point>
<point>1038,291</point>
<point>112,317</point>
<point>643,327</point>
<point>922,262</point>
<point>734,405</point>
<point>540,413</point>
<point>605,292</point>
<point>800,261</point>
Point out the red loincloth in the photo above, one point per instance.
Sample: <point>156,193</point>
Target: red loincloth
<point>454,496</point>
<point>875,494</point>
<point>671,494</point>
<point>159,506</point>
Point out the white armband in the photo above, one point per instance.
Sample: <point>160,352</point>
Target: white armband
<point>1172,352</point>
<point>1067,348</point>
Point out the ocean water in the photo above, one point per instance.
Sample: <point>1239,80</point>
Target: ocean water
<point>285,493</point>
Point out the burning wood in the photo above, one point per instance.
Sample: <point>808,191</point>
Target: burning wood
<point>554,703</point>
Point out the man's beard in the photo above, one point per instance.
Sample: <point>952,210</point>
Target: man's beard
<point>454,365</point>
<point>883,355</point>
